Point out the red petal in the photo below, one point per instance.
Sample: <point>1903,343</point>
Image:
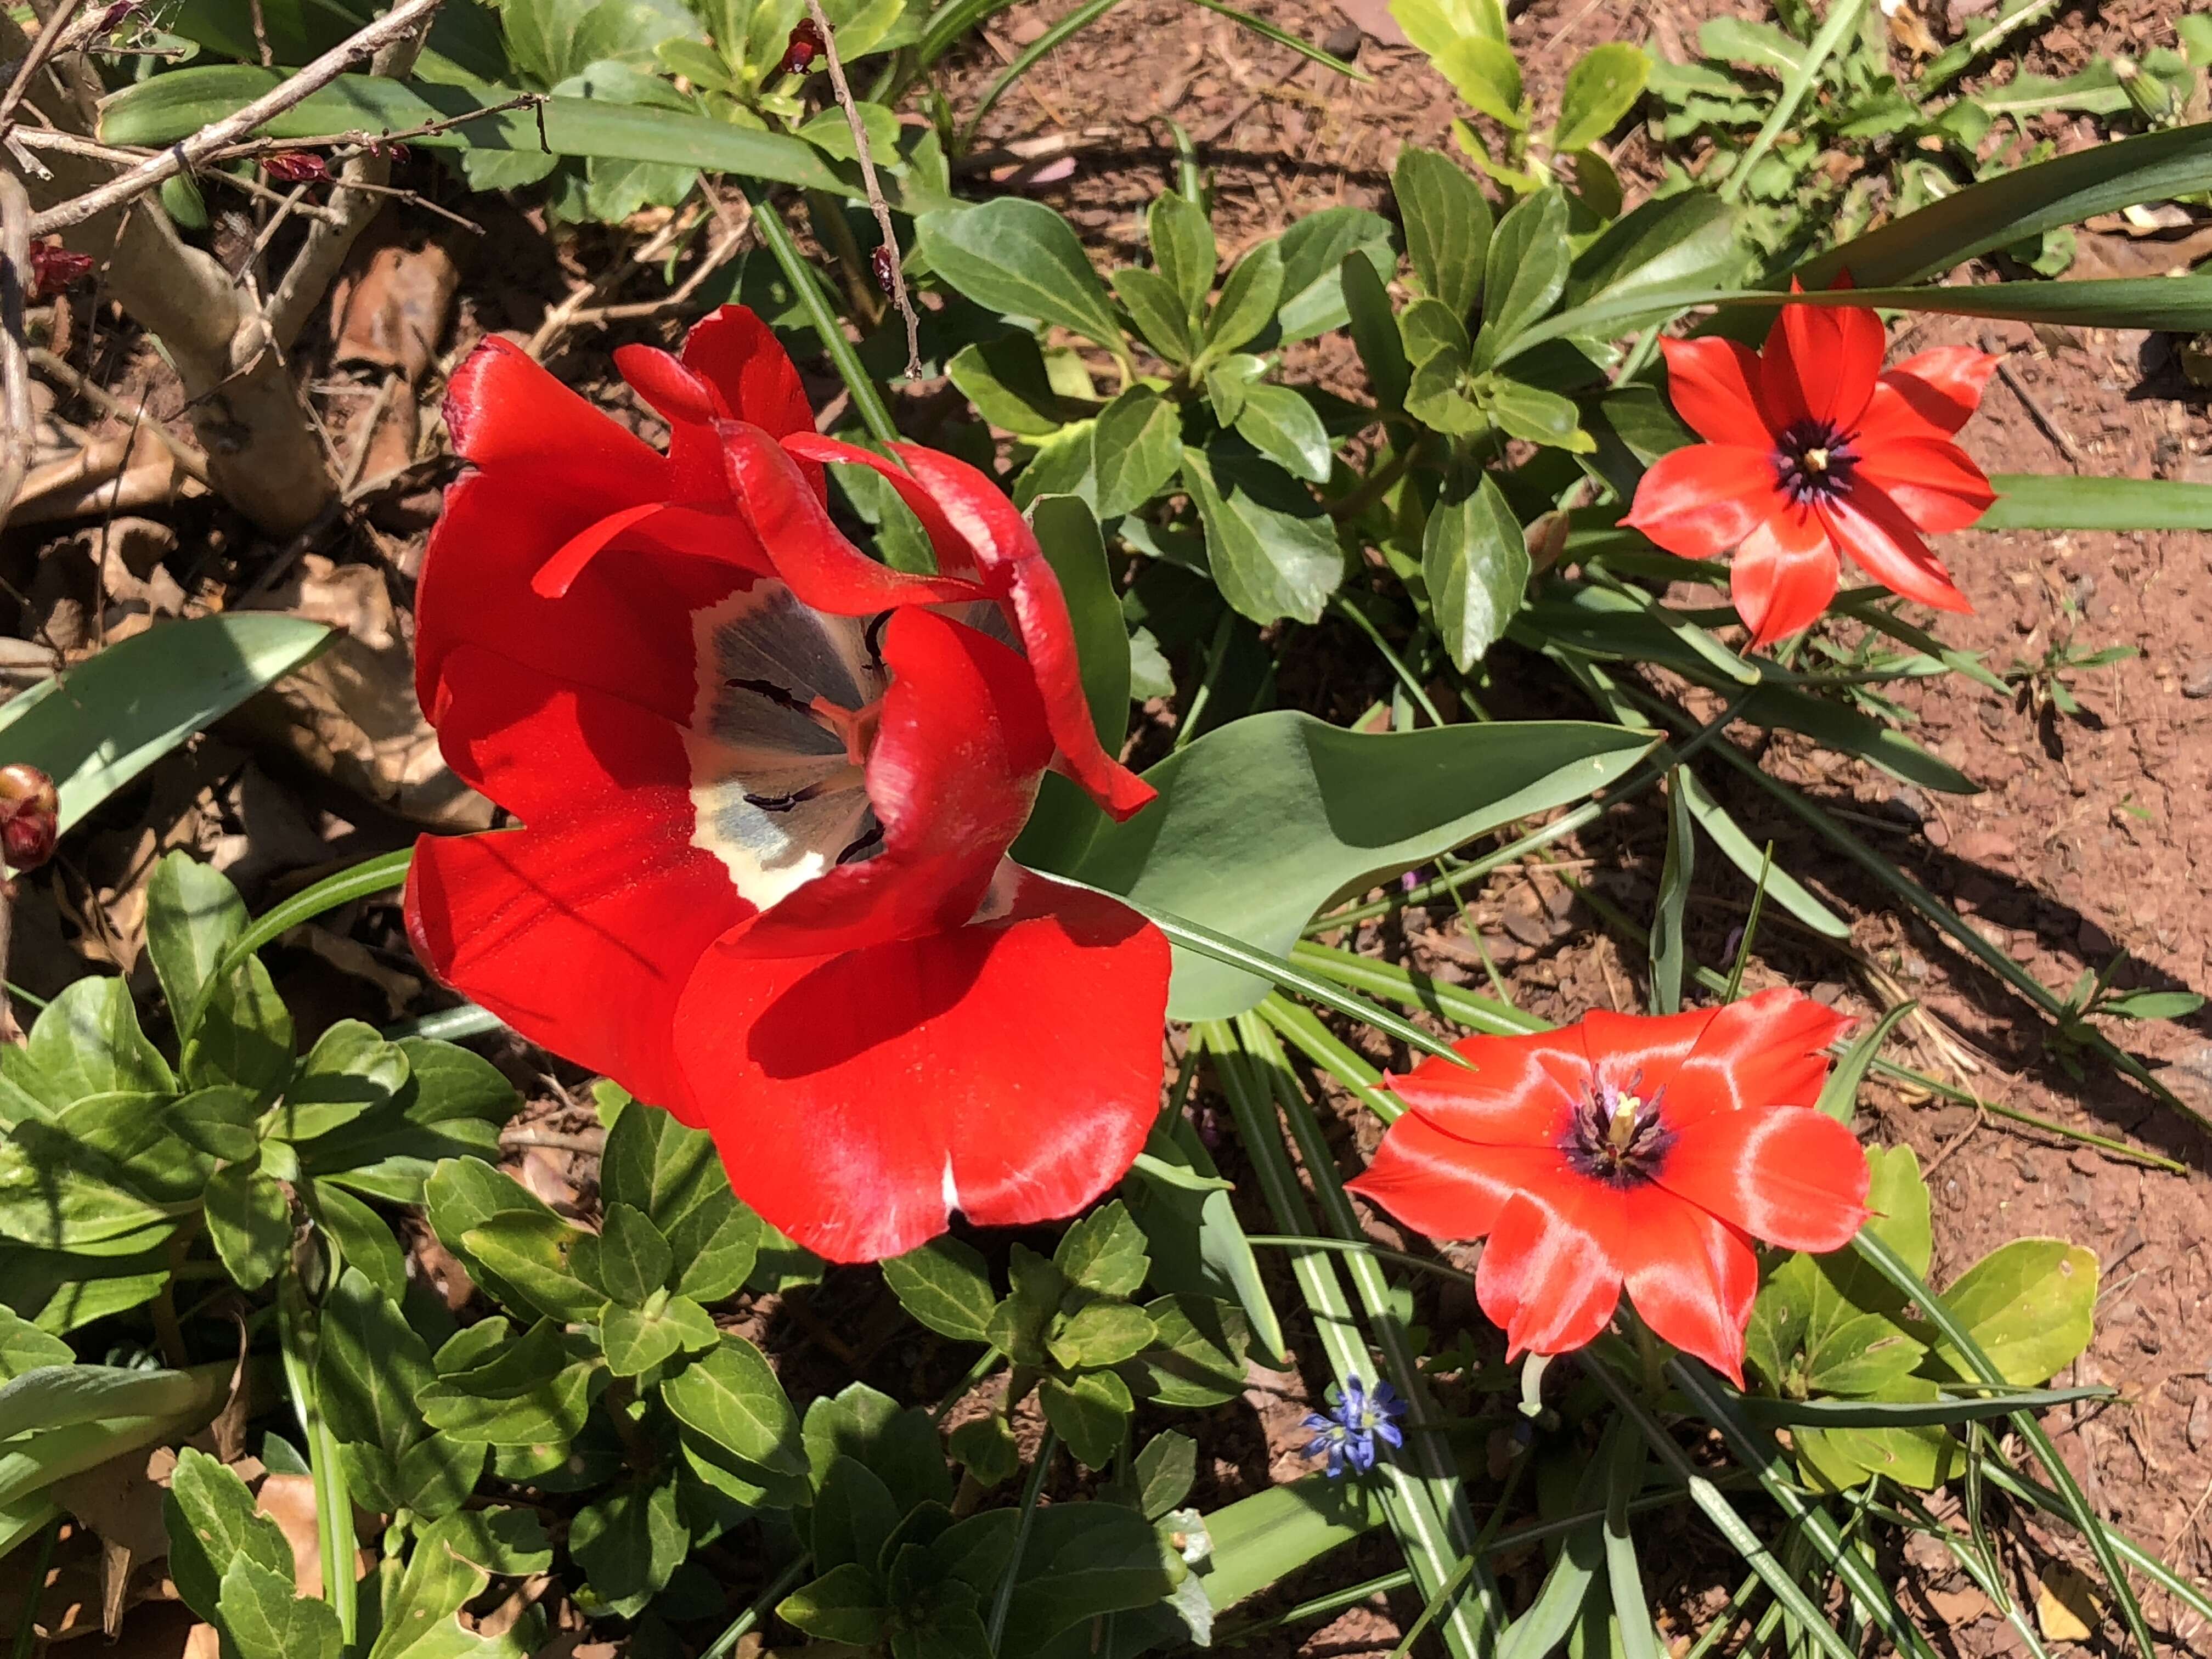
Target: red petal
<point>739,354</point>
<point>1768,1049</point>
<point>690,406</point>
<point>1546,1277</point>
<point>1711,383</point>
<point>1005,548</point>
<point>952,777</point>
<point>1873,530</point>
<point>1702,500</point>
<point>1820,362</point>
<point>1441,1186</point>
<point>580,931</point>
<point>1932,478</point>
<point>956,556</point>
<point>820,567</point>
<point>504,410</point>
<point>1693,1281</point>
<point>1783,575</point>
<point>1010,1070</point>
<point>1641,1051</point>
<point>1519,1093</point>
<point>1939,389</point>
<point>1789,1175</point>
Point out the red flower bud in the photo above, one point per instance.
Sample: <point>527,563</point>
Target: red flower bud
<point>30,816</point>
<point>54,268</point>
<point>296,166</point>
<point>113,16</point>
<point>805,45</point>
<point>885,267</point>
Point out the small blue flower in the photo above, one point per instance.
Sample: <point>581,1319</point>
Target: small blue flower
<point>1346,1435</point>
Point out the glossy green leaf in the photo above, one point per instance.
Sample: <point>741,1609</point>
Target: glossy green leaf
<point>1257,1538</point>
<point>244,1034</point>
<point>1157,309</point>
<point>630,1543</point>
<point>1839,1095</point>
<point>1273,554</point>
<point>212,1523</point>
<point>846,1604</point>
<point>1104,1252</point>
<point>250,1222</point>
<point>732,1397</point>
<point>635,1340</point>
<point>1525,273</point>
<point>715,1249</point>
<point>1283,426</point>
<point>1260,822</point>
<point>1090,1412</point>
<point>986,1447</point>
<point>57,1194</point>
<point>634,1258</point>
<point>1249,294</point>
<point>1534,415</point>
<point>1375,333</point>
<point>1670,242</point>
<point>1448,227</point>
<point>1475,562</point>
<point>87,1040</point>
<point>1314,247</point>
<point>1198,1246</point>
<point>1199,1359</point>
<point>1104,1332</point>
<point>1602,87</point>
<point>2028,1305</point>
<point>193,916</point>
<point>105,722</point>
<point>946,1285</point>
<point>660,1167</point>
<point>370,1367</point>
<point>1021,258</point>
<point>855,1515</point>
<point>264,1618</point>
<point>1135,448</point>
<point>349,1071</point>
<point>1476,60</point>
<point>1183,252</point>
<point>1006,380</point>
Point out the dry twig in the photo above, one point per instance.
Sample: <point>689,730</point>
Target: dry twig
<point>190,461</point>
<point>877,205</point>
<point>15,358</point>
<point>48,43</point>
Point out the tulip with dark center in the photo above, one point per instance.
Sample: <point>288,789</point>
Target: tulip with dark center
<point>1811,451</point>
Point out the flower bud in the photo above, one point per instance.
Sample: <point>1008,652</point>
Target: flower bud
<point>296,166</point>
<point>2153,99</point>
<point>30,816</point>
<point>799,51</point>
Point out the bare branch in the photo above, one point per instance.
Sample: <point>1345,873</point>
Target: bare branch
<point>48,44</point>
<point>880,207</point>
<point>394,25</point>
<point>15,360</point>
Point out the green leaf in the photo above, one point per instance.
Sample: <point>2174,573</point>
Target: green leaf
<point>1855,734</point>
<point>1840,1096</point>
<point>448,1567</point>
<point>1667,945</point>
<point>244,1034</point>
<point>1020,259</point>
<point>193,915</point>
<point>466,1195</point>
<point>1782,887</point>
<point>1314,247</point>
<point>1601,88</point>
<point>1273,554</point>
<point>945,1285</point>
<point>370,1367</point>
<point>1102,1332</point>
<point>542,1258</point>
<point>1135,448</point>
<point>1104,1252</point>
<point>1083,1560</point>
<point>1183,252</point>
<point>1261,822</point>
<point>1538,416</point>
<point>1375,333</point>
<point>1670,242</point>
<point>1006,380</point>
<point>1526,272</point>
<point>250,1222</point>
<point>133,702</point>
<point>1165,1471</point>
<point>1156,306</point>
<point>24,1347</point>
<point>2028,1305</point>
<point>630,1544</point>
<point>635,1341</point>
<point>1431,329</point>
<point>528,1393</point>
<point>985,1447</point>
<point>1283,426</point>
<point>854,1515</point>
<point>1457,37</point>
<point>1864,1355</point>
<point>264,1618</point>
<point>2032,501</point>
<point>1754,46</point>
<point>87,1040</point>
<point>899,1446</point>
<point>2152,1005</point>
<point>212,1524</point>
<point>1448,227</point>
<point>661,1168</point>
<point>1198,1246</point>
<point>635,1259</point>
<point>1090,1412</point>
<point>1249,295</point>
<point>1475,561</point>
<point>1199,1357</point>
<point>359,1233</point>
<point>717,1260</point>
<point>846,1605</point>
<point>349,1071</point>
<point>731,1397</point>
<point>1228,381</point>
<point>1017,1326</point>
<point>167,107</point>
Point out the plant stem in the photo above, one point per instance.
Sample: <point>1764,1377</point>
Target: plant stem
<point>333,1504</point>
<point>1032,1491</point>
<point>867,400</point>
<point>1217,653</point>
<point>26,1632</point>
<point>780,1585</point>
<point>1842,18</point>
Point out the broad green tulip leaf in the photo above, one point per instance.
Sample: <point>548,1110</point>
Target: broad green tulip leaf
<point>2032,501</point>
<point>1022,260</point>
<point>2028,1306</point>
<point>1259,1540</point>
<point>105,722</point>
<point>1260,822</point>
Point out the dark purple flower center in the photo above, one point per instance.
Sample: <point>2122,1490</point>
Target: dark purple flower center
<point>1617,1136</point>
<point>1814,461</point>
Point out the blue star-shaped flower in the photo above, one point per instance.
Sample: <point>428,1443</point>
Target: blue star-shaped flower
<point>1346,1435</point>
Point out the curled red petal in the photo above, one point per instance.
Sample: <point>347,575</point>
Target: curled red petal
<point>953,776</point>
<point>1783,575</point>
<point>739,354</point>
<point>1010,1070</point>
<point>814,560</point>
<point>1547,1278</point>
<point>1518,1093</point>
<point>1702,500</point>
<point>1435,1183</point>
<point>956,556</point>
<point>504,410</point>
<point>690,406</point>
<point>1006,548</point>
<point>1865,523</point>
<point>1787,1176</point>
<point>1713,385</point>
<point>1693,1280</point>
<point>1932,479</point>
<point>1938,389</point>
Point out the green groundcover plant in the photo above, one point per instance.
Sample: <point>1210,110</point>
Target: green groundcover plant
<point>839,866</point>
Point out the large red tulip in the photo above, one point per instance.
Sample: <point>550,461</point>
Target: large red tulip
<point>1812,448</point>
<point>767,786</point>
<point>1628,1151</point>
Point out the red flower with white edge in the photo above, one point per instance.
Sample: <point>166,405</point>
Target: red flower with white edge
<point>1626,1151</point>
<point>1810,447</point>
<point>768,785</point>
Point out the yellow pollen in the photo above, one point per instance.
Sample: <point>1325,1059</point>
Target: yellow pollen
<point>1816,460</point>
<point>1622,1129</point>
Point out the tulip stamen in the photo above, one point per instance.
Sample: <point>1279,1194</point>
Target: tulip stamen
<point>1813,462</point>
<point>1618,1136</point>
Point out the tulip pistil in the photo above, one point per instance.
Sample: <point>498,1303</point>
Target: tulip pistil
<point>1616,1135</point>
<point>1813,462</point>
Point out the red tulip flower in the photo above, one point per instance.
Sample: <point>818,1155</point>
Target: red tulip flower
<point>1810,448</point>
<point>767,787</point>
<point>1627,1151</point>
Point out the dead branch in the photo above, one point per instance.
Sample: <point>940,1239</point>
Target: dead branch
<point>877,205</point>
<point>190,461</point>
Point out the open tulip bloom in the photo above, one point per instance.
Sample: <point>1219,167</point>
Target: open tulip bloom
<point>767,787</point>
<point>1626,1151</point>
<point>1812,449</point>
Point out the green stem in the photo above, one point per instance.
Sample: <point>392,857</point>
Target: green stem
<point>1842,18</point>
<point>781,1585</point>
<point>960,1390</point>
<point>1217,653</point>
<point>26,1632</point>
<point>333,1503</point>
<point>806,288</point>
<point>1414,689</point>
<point>1032,1491</point>
<point>1359,1247</point>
